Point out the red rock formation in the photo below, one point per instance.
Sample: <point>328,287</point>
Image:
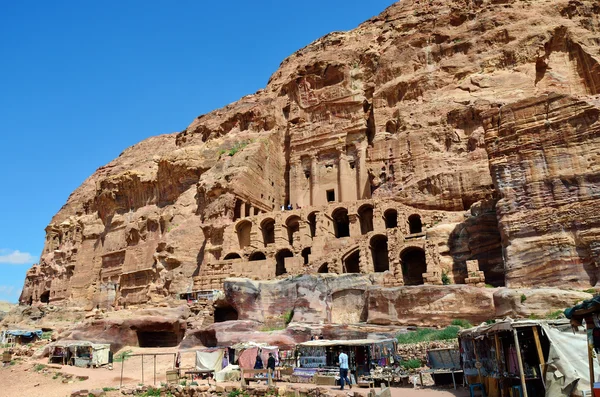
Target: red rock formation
<point>393,142</point>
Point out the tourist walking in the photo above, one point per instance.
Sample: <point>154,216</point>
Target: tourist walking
<point>343,359</point>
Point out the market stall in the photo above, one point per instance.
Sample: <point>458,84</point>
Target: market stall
<point>320,357</point>
<point>21,337</point>
<point>80,354</point>
<point>527,357</point>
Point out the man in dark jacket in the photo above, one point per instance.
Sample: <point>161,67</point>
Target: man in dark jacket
<point>271,362</point>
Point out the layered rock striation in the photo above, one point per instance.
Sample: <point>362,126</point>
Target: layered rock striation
<point>441,142</point>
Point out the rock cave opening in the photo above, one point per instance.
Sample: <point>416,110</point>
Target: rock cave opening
<point>351,263</point>
<point>341,223</point>
<point>257,256</point>
<point>45,297</point>
<point>280,260</point>
<point>413,265</point>
<point>391,218</point>
<point>324,268</point>
<point>268,231</point>
<point>157,338</point>
<point>379,251</point>
<point>225,313</point>
<point>232,255</point>
<point>293,228</point>
<point>305,254</point>
<point>330,195</point>
<point>244,228</point>
<point>312,222</point>
<point>365,214</point>
<point>414,224</point>
<point>237,211</point>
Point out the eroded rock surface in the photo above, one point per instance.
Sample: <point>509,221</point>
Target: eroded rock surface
<point>441,142</point>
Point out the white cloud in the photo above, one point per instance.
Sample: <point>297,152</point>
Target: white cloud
<point>16,257</point>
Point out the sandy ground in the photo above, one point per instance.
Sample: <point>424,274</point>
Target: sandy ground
<point>25,379</point>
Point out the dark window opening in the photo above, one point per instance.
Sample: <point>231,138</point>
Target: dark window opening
<point>225,314</point>
<point>257,256</point>
<point>157,339</point>
<point>330,196</point>
<point>45,297</point>
<point>247,210</point>
<point>341,223</point>
<point>293,228</point>
<point>237,211</point>
<point>414,223</point>
<point>324,268</point>
<point>351,264</point>
<point>312,221</point>
<point>305,254</point>
<point>413,265</point>
<point>244,229</point>
<point>391,219</point>
<point>268,231</point>
<point>379,251</point>
<point>280,259</point>
<point>352,165</point>
<point>232,255</point>
<point>307,174</point>
<point>365,213</point>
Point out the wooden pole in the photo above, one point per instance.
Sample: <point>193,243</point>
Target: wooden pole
<point>520,360</point>
<point>155,371</point>
<point>590,362</point>
<point>499,361</point>
<point>122,365</point>
<point>142,368</point>
<point>538,345</point>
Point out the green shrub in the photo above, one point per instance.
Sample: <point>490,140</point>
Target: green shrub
<point>445,278</point>
<point>590,291</point>
<point>554,315</point>
<point>523,298</point>
<point>411,364</point>
<point>489,286</point>
<point>46,335</point>
<point>428,335</point>
<point>462,323</point>
<point>119,358</point>
<point>237,393</point>
<point>152,392</point>
<point>39,367</point>
<point>288,316</point>
<point>109,389</point>
<point>237,147</point>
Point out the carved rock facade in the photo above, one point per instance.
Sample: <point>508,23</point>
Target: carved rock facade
<point>421,147</point>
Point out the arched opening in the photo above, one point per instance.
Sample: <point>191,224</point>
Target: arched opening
<point>379,252</point>
<point>293,228</point>
<point>324,268</point>
<point>280,259</point>
<point>391,218</point>
<point>268,231</point>
<point>45,297</point>
<point>341,223</point>
<point>257,256</point>
<point>413,265</point>
<point>305,254</point>
<point>365,213</point>
<point>414,224</point>
<point>244,228</point>
<point>312,221</point>
<point>351,263</point>
<point>232,255</point>
<point>227,313</point>
<point>237,210</point>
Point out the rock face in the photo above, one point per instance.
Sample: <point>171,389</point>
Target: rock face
<point>441,142</point>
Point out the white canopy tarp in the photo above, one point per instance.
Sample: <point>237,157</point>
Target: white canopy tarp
<point>209,360</point>
<point>567,370</point>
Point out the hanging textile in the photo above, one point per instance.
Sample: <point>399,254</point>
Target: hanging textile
<point>209,360</point>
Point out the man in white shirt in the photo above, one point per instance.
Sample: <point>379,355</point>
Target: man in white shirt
<point>343,360</point>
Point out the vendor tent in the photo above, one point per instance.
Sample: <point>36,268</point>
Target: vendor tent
<point>246,352</point>
<point>22,336</point>
<point>209,359</point>
<point>80,353</point>
<point>533,355</point>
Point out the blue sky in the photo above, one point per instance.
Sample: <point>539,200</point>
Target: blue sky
<point>80,81</point>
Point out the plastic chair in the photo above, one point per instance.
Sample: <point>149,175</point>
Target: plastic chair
<point>473,386</point>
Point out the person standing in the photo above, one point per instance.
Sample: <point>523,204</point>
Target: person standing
<point>343,360</point>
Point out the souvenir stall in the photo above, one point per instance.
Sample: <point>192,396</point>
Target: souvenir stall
<point>320,357</point>
<point>516,358</point>
<point>80,354</point>
<point>21,337</point>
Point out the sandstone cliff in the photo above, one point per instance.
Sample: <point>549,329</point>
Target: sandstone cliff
<point>439,142</point>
